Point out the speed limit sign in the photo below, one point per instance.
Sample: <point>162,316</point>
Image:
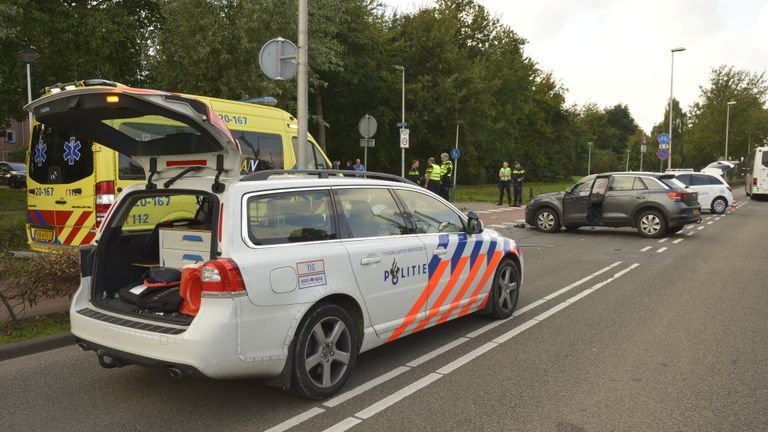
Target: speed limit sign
<point>404,140</point>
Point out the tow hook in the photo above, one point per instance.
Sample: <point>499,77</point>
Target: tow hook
<point>108,362</point>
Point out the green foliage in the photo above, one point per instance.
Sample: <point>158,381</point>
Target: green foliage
<point>34,327</point>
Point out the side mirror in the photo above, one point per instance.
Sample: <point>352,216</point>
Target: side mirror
<point>474,224</point>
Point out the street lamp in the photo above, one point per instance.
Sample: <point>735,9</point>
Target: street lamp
<point>671,79</point>
<point>28,56</point>
<point>589,161</point>
<point>727,124</point>
<point>402,121</point>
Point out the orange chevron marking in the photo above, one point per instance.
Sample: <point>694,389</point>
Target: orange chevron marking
<point>488,273</point>
<point>464,288</point>
<point>443,295</point>
<point>410,317</point>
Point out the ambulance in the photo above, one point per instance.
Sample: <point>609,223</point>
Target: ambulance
<point>72,181</point>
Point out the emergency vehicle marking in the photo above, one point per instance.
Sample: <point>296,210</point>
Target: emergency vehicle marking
<point>443,295</point>
<point>433,263</point>
<point>489,271</point>
<point>72,151</point>
<point>395,272</point>
<point>410,317</point>
<point>78,231</point>
<point>40,149</point>
<point>311,273</point>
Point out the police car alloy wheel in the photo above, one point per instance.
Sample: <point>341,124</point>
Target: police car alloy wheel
<point>506,290</point>
<point>719,205</point>
<point>651,224</point>
<point>325,352</point>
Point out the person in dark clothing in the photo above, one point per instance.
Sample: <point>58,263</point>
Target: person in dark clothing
<point>518,174</point>
<point>413,173</point>
<point>446,179</point>
<point>349,166</point>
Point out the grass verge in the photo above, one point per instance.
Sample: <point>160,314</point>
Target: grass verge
<point>490,192</point>
<point>13,199</point>
<point>34,327</point>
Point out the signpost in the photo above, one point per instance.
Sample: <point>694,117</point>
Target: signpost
<point>404,138</point>
<point>643,147</point>
<point>367,128</point>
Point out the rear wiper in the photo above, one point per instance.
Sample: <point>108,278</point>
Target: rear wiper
<point>173,179</point>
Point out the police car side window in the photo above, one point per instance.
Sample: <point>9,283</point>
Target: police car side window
<point>290,217</point>
<point>371,212</point>
<point>430,215</point>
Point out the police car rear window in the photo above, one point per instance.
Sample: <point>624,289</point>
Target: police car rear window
<point>291,217</point>
<point>59,157</point>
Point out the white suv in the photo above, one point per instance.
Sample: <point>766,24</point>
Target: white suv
<point>297,273</point>
<point>714,192</point>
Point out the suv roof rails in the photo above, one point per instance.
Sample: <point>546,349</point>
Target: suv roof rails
<point>266,174</point>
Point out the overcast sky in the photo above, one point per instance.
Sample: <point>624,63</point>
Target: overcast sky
<point>612,51</point>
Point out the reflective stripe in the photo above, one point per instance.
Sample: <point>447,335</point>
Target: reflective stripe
<point>444,294</point>
<point>410,317</point>
<point>489,271</point>
<point>435,172</point>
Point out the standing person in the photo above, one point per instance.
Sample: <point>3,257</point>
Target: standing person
<point>413,173</point>
<point>358,166</point>
<point>518,174</point>
<point>505,178</point>
<point>446,179</point>
<point>432,176</point>
<point>336,165</point>
<point>349,166</point>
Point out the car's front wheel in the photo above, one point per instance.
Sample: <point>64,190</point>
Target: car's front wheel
<point>547,220</point>
<point>505,290</point>
<point>650,223</point>
<point>325,352</point>
<point>719,205</point>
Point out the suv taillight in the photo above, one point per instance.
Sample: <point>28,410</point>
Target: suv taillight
<point>105,197</point>
<point>222,275</point>
<point>677,196</point>
<point>754,181</point>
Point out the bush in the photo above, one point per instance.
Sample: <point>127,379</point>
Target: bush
<point>26,281</point>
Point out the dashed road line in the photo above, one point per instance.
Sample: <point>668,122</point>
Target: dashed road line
<point>700,228</point>
<point>338,400</point>
<point>661,250</point>
<point>677,241</point>
<point>664,239</point>
<point>710,222</point>
<point>690,234</point>
<point>645,248</point>
<point>296,420</point>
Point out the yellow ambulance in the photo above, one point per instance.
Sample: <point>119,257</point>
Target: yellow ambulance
<point>72,181</point>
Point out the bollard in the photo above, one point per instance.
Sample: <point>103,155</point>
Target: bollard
<point>530,194</point>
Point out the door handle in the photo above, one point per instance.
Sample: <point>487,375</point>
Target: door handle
<point>640,197</point>
<point>60,202</point>
<point>439,252</point>
<point>370,260</point>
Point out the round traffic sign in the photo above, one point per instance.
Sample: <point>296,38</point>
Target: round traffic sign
<point>277,59</point>
<point>367,126</point>
<point>663,138</point>
<point>662,154</point>
<point>455,153</point>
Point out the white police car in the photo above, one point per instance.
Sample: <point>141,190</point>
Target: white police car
<point>300,273</point>
<point>715,194</point>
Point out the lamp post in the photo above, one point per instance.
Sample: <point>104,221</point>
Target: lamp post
<point>302,86</point>
<point>727,125</point>
<point>402,120</point>
<point>28,56</point>
<point>671,80</point>
<point>589,161</point>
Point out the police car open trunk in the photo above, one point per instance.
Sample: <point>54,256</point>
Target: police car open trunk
<point>160,224</point>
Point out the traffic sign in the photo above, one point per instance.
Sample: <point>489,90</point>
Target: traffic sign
<point>277,59</point>
<point>662,154</point>
<point>643,148</point>
<point>663,139</point>
<point>455,153</point>
<point>367,142</point>
<point>401,124</point>
<point>367,126</point>
<point>404,138</point>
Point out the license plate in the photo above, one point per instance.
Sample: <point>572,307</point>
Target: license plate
<point>44,235</point>
<point>696,212</point>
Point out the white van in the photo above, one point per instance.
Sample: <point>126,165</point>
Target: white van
<point>756,166</point>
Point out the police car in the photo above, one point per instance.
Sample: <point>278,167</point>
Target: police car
<point>286,276</point>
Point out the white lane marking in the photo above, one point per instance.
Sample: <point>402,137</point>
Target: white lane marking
<point>677,241</point>
<point>645,248</point>
<point>580,295</point>
<point>295,420</point>
<point>522,310</point>
<point>710,222</point>
<point>689,227</point>
<point>346,424</point>
<point>661,250</point>
<point>398,396</point>
<point>436,352</point>
<point>497,226</point>
<point>717,218</point>
<point>551,311</point>
<point>690,234</point>
<point>338,400</point>
<point>700,228</point>
<point>708,218</point>
<point>664,239</point>
<point>408,390</point>
<point>466,358</point>
<point>481,211</point>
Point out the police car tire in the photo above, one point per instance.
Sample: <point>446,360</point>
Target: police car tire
<point>326,317</point>
<point>505,290</point>
<point>721,207</point>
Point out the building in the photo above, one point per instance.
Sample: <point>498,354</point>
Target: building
<point>14,139</point>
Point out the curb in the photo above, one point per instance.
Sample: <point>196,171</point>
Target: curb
<point>36,345</point>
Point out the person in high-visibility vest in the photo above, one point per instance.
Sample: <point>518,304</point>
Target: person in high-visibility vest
<point>433,175</point>
<point>518,174</point>
<point>505,178</point>
<point>413,173</point>
<point>446,179</point>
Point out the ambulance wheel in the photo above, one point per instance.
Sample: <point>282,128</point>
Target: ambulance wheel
<point>325,353</point>
<point>505,290</point>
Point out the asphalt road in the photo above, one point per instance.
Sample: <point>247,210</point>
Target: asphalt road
<point>614,332</point>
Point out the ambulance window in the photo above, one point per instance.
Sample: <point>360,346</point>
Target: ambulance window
<point>312,156</point>
<point>129,169</point>
<point>290,217</point>
<point>261,151</point>
<point>59,157</point>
